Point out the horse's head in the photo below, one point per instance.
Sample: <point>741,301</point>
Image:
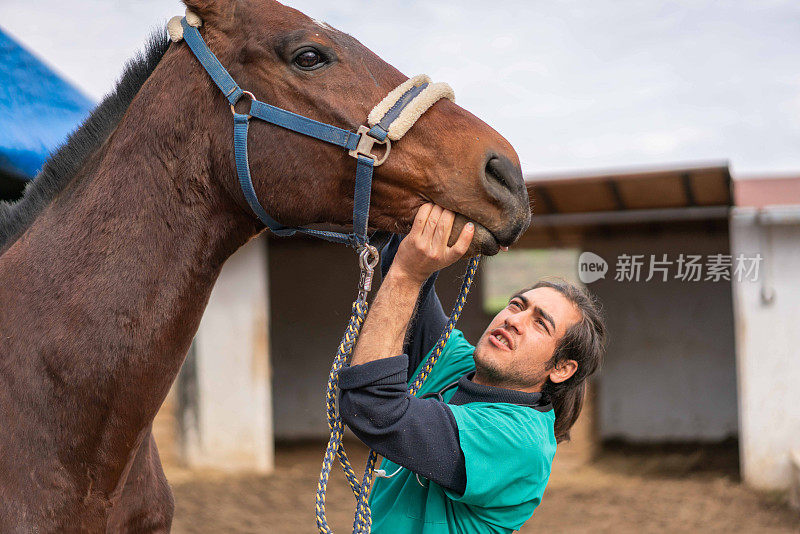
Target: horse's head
<point>289,60</point>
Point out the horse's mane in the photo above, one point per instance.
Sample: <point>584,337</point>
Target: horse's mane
<point>62,166</point>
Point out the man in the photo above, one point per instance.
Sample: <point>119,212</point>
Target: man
<point>472,451</point>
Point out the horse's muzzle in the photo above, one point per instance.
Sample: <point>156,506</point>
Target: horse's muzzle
<point>503,181</point>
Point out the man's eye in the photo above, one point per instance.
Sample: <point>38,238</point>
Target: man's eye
<point>309,59</point>
<point>514,304</point>
<point>544,326</point>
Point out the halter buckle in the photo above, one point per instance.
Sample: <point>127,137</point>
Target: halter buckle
<point>365,144</point>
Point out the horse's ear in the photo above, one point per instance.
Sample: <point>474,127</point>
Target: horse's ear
<point>211,10</point>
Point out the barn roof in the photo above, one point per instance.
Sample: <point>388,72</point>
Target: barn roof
<point>565,206</point>
<point>38,109</point>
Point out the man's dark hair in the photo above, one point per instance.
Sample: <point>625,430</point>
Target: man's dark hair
<point>584,342</point>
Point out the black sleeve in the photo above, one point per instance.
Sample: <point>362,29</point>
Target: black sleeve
<point>418,434</point>
<point>429,320</point>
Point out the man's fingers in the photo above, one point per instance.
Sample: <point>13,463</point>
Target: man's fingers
<point>442,234</point>
<point>461,245</point>
<point>433,220</point>
<point>421,218</point>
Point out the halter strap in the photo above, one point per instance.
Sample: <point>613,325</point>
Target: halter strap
<point>390,119</point>
<point>221,77</point>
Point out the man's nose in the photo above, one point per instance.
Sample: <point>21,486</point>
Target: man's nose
<point>514,322</point>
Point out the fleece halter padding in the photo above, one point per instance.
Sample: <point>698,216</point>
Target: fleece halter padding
<point>175,28</point>
<point>424,94</point>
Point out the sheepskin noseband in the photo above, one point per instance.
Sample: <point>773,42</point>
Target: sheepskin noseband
<point>398,118</point>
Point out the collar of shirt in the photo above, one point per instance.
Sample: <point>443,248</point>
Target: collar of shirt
<point>469,391</point>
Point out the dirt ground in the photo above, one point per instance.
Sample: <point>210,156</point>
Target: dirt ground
<point>623,491</point>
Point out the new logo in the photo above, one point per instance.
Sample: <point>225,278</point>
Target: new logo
<point>591,267</point>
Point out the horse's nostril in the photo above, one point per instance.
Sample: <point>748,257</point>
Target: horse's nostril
<point>501,170</point>
<point>494,171</point>
<point>503,183</point>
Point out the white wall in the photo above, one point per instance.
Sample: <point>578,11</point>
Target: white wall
<point>669,374</point>
<point>768,337</point>
<point>231,423</point>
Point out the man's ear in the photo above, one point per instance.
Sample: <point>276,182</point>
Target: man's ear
<point>212,11</point>
<point>563,371</point>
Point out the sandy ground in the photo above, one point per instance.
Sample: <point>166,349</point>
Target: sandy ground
<point>623,491</point>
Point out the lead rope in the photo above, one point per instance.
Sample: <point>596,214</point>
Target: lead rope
<point>362,522</point>
<point>368,259</point>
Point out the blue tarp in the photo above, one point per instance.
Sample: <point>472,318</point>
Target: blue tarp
<point>38,109</point>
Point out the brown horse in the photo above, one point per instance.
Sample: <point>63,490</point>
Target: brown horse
<point>109,259</point>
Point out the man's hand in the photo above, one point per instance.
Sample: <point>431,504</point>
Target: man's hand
<point>424,250</point>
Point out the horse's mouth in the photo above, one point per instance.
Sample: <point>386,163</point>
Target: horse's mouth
<point>491,240</point>
<point>484,241</point>
<point>488,241</point>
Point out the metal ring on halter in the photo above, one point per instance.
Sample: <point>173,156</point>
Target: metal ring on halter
<point>252,98</point>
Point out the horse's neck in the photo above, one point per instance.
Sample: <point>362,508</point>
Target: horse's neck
<point>103,293</point>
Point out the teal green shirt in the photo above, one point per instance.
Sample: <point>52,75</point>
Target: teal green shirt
<point>508,451</point>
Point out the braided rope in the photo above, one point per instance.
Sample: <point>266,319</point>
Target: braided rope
<point>335,425</point>
<point>362,522</point>
<point>461,300</point>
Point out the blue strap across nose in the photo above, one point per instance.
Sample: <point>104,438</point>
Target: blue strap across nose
<point>357,144</point>
<point>382,128</point>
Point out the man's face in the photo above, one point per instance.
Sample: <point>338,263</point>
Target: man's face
<point>517,346</point>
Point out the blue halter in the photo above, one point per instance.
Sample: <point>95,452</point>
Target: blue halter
<point>359,144</point>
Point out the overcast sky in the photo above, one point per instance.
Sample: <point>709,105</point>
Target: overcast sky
<point>574,85</point>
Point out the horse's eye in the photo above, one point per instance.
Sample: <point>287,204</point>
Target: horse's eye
<point>309,59</point>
